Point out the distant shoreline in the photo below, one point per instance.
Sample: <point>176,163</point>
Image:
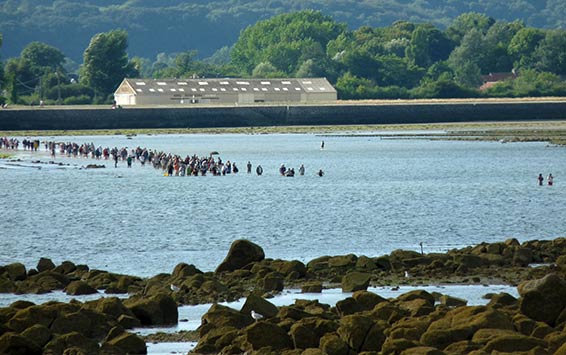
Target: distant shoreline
<point>259,116</point>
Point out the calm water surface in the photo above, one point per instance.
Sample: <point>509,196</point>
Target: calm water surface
<point>377,195</point>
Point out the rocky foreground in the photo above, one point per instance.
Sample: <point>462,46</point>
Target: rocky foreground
<point>413,323</point>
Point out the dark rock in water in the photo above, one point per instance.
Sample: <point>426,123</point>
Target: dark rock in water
<point>76,288</point>
<point>20,304</point>
<point>219,316</point>
<point>502,300</point>
<point>355,281</point>
<point>343,261</point>
<point>12,343</point>
<point>184,270</point>
<point>451,301</point>
<point>241,253</point>
<point>38,334</point>
<point>30,316</point>
<point>44,282</point>
<point>6,285</point>
<point>159,309</point>
<point>347,306</point>
<point>461,323</point>
<point>216,339</point>
<point>361,333</point>
<point>331,344</point>
<point>367,300</point>
<point>128,343</point>
<point>95,166</point>
<point>307,332</point>
<point>273,282</point>
<point>71,343</point>
<point>287,267</point>
<point>15,271</point>
<point>262,334</point>
<point>543,299</point>
<point>111,306</point>
<point>65,268</point>
<point>523,257</point>
<point>45,264</point>
<point>129,322</point>
<point>259,305</point>
<point>311,287</point>
<point>86,322</point>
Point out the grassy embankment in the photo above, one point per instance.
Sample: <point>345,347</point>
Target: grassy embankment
<point>553,132</point>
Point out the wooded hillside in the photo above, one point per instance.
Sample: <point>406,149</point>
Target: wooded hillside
<point>156,26</point>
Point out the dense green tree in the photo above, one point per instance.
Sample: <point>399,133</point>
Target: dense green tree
<point>522,47</point>
<point>529,83</point>
<point>464,59</point>
<point>2,80</point>
<point>495,57</point>
<point>267,70</point>
<point>467,22</point>
<point>442,88</point>
<point>106,62</point>
<point>551,52</point>
<point>42,57</point>
<point>283,39</point>
<point>427,46</point>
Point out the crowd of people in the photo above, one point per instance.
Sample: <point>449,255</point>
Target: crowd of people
<point>170,164</point>
<point>9,143</point>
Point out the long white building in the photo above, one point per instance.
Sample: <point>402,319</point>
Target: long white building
<point>223,91</point>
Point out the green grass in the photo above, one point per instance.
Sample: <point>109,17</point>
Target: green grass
<point>5,156</point>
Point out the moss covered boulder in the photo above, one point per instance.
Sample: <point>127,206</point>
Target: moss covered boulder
<point>263,334</point>
<point>355,281</point>
<point>461,324</point>
<point>76,288</point>
<point>159,309</point>
<point>128,343</point>
<point>16,344</point>
<point>543,299</point>
<point>242,252</point>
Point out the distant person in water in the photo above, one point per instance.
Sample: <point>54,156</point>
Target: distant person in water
<point>550,179</point>
<point>259,170</point>
<point>322,145</point>
<point>302,170</point>
<point>540,179</point>
<point>249,166</point>
<point>282,169</point>
<point>320,173</point>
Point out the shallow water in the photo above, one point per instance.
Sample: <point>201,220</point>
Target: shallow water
<point>378,195</point>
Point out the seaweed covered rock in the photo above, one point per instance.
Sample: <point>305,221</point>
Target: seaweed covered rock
<point>76,288</point>
<point>259,305</point>
<point>16,344</point>
<point>14,271</point>
<point>361,333</point>
<point>262,334</point>
<point>242,252</point>
<point>159,309</point>
<point>461,324</point>
<point>543,299</point>
<point>45,264</point>
<point>355,281</point>
<point>127,343</point>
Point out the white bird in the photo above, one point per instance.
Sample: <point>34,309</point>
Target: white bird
<point>407,274</point>
<point>256,316</point>
<point>174,288</point>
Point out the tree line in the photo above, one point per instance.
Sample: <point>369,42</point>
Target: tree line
<point>404,60</point>
<point>159,26</point>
